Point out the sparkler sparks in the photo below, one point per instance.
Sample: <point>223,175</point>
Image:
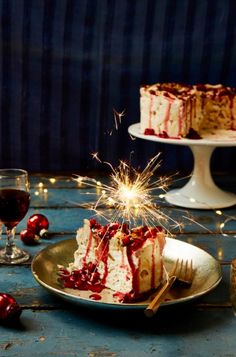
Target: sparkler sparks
<point>135,197</point>
<point>117,117</point>
<point>117,120</point>
<point>132,194</point>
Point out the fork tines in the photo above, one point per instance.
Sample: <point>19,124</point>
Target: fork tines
<point>183,270</point>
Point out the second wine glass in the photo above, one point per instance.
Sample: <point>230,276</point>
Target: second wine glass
<point>14,204</point>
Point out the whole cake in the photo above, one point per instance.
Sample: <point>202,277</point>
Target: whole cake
<point>173,110</point>
<point>127,261</point>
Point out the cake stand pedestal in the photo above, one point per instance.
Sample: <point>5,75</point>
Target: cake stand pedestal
<point>200,191</point>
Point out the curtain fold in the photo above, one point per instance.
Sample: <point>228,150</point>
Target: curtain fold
<point>67,66</point>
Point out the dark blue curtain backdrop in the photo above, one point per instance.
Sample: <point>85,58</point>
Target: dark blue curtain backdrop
<point>66,64</point>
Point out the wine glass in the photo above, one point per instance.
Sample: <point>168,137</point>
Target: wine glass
<point>14,204</point>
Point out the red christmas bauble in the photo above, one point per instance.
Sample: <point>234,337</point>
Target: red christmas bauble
<point>39,224</point>
<point>28,237</point>
<point>9,308</point>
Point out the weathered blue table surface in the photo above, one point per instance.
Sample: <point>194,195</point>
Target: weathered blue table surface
<point>50,326</point>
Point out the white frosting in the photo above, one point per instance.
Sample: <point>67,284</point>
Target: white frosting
<point>119,277</point>
<point>196,109</point>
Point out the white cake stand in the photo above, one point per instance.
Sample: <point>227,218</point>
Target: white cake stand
<point>200,191</point>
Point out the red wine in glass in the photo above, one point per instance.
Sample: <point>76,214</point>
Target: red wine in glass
<point>14,204</point>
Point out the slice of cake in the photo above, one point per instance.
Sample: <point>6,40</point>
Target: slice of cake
<point>167,109</point>
<point>128,261</point>
<point>172,110</point>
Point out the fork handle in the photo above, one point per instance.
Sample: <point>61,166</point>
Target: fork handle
<point>156,302</point>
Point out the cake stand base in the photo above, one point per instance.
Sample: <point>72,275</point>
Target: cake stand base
<point>215,198</point>
<point>201,191</point>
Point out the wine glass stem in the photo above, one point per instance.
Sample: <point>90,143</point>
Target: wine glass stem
<point>10,242</point>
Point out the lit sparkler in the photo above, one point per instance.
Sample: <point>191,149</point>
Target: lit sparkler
<point>133,194</point>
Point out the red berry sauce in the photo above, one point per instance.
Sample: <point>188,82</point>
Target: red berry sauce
<point>149,131</point>
<point>95,297</point>
<point>89,278</point>
<point>86,278</point>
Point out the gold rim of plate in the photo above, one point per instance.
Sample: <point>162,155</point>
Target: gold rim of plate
<point>207,274</point>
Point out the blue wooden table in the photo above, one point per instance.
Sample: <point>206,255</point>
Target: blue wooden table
<point>50,326</point>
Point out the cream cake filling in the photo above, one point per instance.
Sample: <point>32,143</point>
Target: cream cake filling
<point>127,261</point>
<point>173,110</point>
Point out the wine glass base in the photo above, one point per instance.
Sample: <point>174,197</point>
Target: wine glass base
<point>18,256</point>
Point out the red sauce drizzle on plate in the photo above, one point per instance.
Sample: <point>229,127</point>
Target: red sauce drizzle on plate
<point>95,297</point>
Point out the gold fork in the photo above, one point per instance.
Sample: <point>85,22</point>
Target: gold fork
<point>181,272</point>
